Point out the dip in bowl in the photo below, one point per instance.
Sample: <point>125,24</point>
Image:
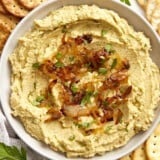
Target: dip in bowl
<point>82,80</point>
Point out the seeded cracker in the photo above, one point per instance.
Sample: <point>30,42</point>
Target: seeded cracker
<point>142,3</point>
<point>4,33</point>
<point>153,145</point>
<point>155,18</point>
<point>150,7</point>
<point>9,21</point>
<point>30,4</point>
<point>127,157</point>
<point>2,9</point>
<point>139,153</point>
<point>15,8</point>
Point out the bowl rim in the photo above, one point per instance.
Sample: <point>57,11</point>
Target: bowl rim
<point>5,54</point>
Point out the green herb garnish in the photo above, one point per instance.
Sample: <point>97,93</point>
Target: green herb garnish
<point>71,58</point>
<point>83,125</point>
<point>35,103</point>
<point>59,64</point>
<point>58,55</point>
<point>102,71</point>
<point>126,129</point>
<point>88,65</point>
<point>105,103</point>
<point>114,63</point>
<point>40,98</point>
<point>35,85</point>
<point>108,128</point>
<point>74,89</point>
<point>71,138</point>
<point>103,32</point>
<point>36,65</point>
<point>11,153</point>
<point>95,93</point>
<point>64,29</point>
<point>108,48</point>
<point>126,2</point>
<point>86,98</point>
<point>82,143</point>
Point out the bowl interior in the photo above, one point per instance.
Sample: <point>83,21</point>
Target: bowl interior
<point>134,19</point>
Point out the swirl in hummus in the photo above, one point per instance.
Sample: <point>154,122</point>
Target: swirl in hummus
<point>83,81</point>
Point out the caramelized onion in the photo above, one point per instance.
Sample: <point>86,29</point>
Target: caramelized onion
<point>108,115</point>
<point>75,111</point>
<point>127,92</point>
<point>117,116</point>
<point>85,60</point>
<point>55,114</point>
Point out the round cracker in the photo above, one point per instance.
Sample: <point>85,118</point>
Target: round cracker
<point>127,157</point>
<point>15,8</point>
<point>142,3</point>
<point>139,153</point>
<point>9,21</point>
<point>2,9</point>
<point>153,145</point>
<point>150,6</point>
<point>30,4</point>
<point>155,17</point>
<point>4,33</point>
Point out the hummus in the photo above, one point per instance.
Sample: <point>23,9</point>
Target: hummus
<point>83,81</point>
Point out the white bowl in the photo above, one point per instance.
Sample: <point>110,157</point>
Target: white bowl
<point>139,23</point>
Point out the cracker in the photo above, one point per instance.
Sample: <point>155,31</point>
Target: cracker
<point>15,8</point>
<point>30,4</point>
<point>2,9</point>
<point>9,21</point>
<point>4,33</point>
<point>153,145</point>
<point>139,153</point>
<point>150,7</point>
<point>155,17</point>
<point>142,3</point>
<point>127,157</point>
<point>151,4</point>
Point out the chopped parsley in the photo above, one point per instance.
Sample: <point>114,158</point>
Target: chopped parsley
<point>86,98</point>
<point>102,71</point>
<point>71,58</point>
<point>108,48</point>
<point>35,85</point>
<point>58,55</point>
<point>114,63</point>
<point>38,100</point>
<point>126,2</point>
<point>103,32</point>
<point>64,29</point>
<point>95,93</point>
<point>59,64</point>
<point>36,65</point>
<point>126,129</point>
<point>108,128</point>
<point>71,138</point>
<point>83,125</point>
<point>35,103</point>
<point>74,89</point>
<point>88,65</point>
<point>105,103</point>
